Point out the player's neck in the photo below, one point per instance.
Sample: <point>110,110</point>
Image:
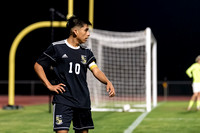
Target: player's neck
<point>72,41</point>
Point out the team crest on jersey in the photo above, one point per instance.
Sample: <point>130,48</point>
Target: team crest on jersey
<point>83,59</point>
<point>59,120</point>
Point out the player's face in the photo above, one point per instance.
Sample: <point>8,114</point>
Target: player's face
<point>83,34</point>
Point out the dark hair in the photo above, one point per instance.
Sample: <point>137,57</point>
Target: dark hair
<point>75,21</point>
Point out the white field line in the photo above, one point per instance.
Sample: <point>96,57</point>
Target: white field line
<point>137,121</point>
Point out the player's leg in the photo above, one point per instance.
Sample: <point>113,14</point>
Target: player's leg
<point>198,96</point>
<point>194,96</point>
<point>192,100</point>
<point>62,131</point>
<point>198,101</point>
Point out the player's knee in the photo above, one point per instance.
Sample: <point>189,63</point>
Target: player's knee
<point>62,131</point>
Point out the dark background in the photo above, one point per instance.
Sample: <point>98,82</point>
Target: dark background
<point>174,23</point>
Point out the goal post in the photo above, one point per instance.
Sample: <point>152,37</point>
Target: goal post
<point>129,61</point>
<point>151,69</point>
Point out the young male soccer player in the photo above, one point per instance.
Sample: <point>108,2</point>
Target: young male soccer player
<point>70,61</point>
<point>194,72</point>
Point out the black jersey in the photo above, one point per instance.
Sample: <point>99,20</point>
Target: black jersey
<point>70,66</point>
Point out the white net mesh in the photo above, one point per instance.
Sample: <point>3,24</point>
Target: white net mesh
<point>121,56</point>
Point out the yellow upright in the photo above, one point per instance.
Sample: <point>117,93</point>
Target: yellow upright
<point>12,54</point>
<point>91,12</point>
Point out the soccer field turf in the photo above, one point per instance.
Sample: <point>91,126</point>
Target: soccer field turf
<point>171,117</point>
<point>168,117</point>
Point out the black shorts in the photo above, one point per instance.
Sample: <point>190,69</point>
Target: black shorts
<point>63,115</point>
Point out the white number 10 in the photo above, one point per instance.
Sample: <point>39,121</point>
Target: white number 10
<point>77,68</point>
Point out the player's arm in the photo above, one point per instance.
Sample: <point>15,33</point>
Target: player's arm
<point>102,77</point>
<point>189,71</point>
<point>40,72</point>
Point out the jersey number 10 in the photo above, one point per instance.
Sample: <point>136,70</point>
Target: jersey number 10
<point>77,68</point>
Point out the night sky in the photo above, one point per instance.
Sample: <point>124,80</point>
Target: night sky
<point>174,23</point>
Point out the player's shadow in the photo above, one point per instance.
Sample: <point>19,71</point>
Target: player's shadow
<point>185,111</point>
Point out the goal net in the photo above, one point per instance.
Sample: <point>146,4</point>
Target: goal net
<point>129,61</point>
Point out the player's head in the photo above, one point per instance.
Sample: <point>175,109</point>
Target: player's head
<point>197,59</point>
<point>75,22</point>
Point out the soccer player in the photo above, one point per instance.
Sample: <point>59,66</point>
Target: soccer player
<point>194,72</point>
<point>70,60</point>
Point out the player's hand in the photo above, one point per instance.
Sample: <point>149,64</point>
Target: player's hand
<point>110,89</point>
<point>57,88</point>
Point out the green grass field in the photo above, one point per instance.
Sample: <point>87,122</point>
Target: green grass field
<point>171,117</point>
<point>168,117</point>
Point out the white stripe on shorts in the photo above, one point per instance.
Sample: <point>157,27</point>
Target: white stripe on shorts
<point>88,127</point>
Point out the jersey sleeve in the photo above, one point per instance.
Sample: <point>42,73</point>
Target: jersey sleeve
<point>48,58</point>
<point>91,61</point>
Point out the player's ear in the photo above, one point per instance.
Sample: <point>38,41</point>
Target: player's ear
<point>75,32</point>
